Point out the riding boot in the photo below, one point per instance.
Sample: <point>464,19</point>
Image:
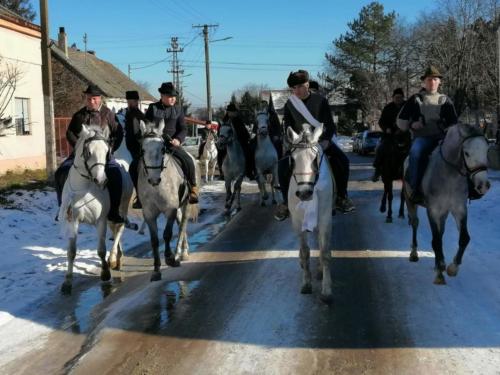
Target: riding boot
<point>115,191</point>
<point>193,194</point>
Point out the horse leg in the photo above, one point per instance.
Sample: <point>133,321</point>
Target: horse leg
<point>461,220</point>
<point>155,243</point>
<point>262,188</point>
<point>181,250</point>
<point>101,249</point>
<point>413,221</point>
<point>325,255</point>
<point>237,192</point>
<point>170,258</point>
<point>229,196</point>
<point>383,202</point>
<point>402,204</point>
<point>115,255</point>
<point>437,221</point>
<point>274,180</point>
<point>206,170</point>
<point>68,279</point>
<point>304,264</point>
<point>214,163</point>
<point>388,219</point>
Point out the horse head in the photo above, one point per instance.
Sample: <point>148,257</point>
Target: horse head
<point>93,149</point>
<point>307,156</point>
<point>262,123</point>
<point>153,150</point>
<point>226,135</point>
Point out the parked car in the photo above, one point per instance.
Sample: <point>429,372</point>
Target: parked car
<point>191,145</point>
<point>369,141</point>
<point>345,143</point>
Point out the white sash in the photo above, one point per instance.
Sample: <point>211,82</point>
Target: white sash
<point>302,109</point>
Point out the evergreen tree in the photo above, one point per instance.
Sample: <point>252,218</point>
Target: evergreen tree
<point>22,7</point>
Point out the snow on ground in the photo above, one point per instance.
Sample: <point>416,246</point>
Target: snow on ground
<point>33,250</point>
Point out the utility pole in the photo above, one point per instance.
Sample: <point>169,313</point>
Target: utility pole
<point>207,67</point>
<point>128,71</point>
<point>85,47</point>
<point>48,104</point>
<point>175,62</point>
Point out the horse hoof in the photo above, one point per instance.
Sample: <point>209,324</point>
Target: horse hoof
<point>439,280</point>
<point>306,289</point>
<point>105,275</point>
<point>326,298</point>
<point>156,276</point>
<point>66,288</point>
<point>413,258</point>
<point>172,262</point>
<point>184,256</point>
<point>319,275</point>
<point>452,270</point>
<point>388,220</point>
<point>382,209</point>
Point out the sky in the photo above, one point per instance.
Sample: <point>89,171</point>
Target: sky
<point>268,38</point>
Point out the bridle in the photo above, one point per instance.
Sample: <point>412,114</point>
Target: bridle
<point>161,167</point>
<point>223,140</point>
<point>316,166</point>
<point>263,131</point>
<point>469,172</point>
<point>86,156</point>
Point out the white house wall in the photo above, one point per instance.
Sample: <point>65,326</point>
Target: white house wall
<point>24,151</point>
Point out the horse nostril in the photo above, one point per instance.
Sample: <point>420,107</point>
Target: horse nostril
<point>297,194</point>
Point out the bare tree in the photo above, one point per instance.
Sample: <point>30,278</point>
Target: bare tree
<point>10,75</point>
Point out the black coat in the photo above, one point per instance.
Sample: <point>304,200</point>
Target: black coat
<point>175,126</point>
<point>389,116</point>
<point>132,135</point>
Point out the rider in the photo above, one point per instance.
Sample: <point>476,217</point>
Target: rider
<point>233,116</point>
<point>174,132</point>
<point>129,115</point>
<point>427,114</point>
<point>387,123</point>
<point>95,113</point>
<point>320,110</point>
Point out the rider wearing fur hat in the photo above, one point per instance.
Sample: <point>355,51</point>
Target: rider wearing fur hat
<point>318,107</point>
<point>174,132</point>
<point>427,115</point>
<point>95,113</point>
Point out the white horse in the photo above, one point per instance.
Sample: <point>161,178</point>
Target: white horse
<point>85,199</point>
<point>310,200</point>
<point>209,156</point>
<point>266,158</point>
<point>458,164</point>
<point>163,189</point>
<point>233,166</point>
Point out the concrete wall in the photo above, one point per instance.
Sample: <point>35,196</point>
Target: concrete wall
<point>20,47</point>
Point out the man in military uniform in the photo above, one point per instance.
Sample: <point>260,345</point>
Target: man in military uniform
<point>427,115</point>
<point>130,115</point>
<point>174,132</point>
<point>95,113</point>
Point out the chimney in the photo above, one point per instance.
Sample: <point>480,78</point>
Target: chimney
<point>62,41</point>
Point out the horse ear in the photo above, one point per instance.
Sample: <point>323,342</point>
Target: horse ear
<point>105,132</point>
<point>292,136</point>
<point>317,133</point>
<point>161,126</point>
<point>84,132</point>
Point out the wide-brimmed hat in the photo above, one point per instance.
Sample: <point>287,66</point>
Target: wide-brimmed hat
<point>398,91</point>
<point>167,88</point>
<point>297,78</point>
<point>93,90</point>
<point>431,71</point>
<point>132,95</point>
<point>231,107</point>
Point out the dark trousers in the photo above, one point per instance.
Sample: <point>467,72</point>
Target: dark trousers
<point>114,184</point>
<point>201,147</point>
<point>340,167</point>
<point>420,150</point>
<point>133,171</point>
<point>186,162</point>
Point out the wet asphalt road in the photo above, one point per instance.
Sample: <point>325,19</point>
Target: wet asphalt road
<point>235,306</point>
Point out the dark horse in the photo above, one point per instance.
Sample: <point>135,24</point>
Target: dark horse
<point>395,150</point>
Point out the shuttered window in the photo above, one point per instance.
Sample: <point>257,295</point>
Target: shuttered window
<point>22,119</point>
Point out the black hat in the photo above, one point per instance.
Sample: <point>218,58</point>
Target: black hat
<point>297,78</point>
<point>314,85</point>
<point>93,90</point>
<point>132,95</point>
<point>231,107</point>
<point>431,71</point>
<point>398,91</point>
<point>167,88</point>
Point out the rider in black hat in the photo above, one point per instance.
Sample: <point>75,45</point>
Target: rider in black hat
<point>95,113</point>
<point>174,132</point>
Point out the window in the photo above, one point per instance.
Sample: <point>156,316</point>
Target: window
<point>23,125</point>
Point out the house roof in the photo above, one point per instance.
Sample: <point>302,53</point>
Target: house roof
<point>111,80</point>
<point>13,17</point>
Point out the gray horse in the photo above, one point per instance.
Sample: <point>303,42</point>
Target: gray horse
<point>162,189</point>
<point>233,166</point>
<point>266,158</point>
<point>86,200</point>
<point>458,161</point>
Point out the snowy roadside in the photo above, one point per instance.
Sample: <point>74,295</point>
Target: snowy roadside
<point>33,254</point>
